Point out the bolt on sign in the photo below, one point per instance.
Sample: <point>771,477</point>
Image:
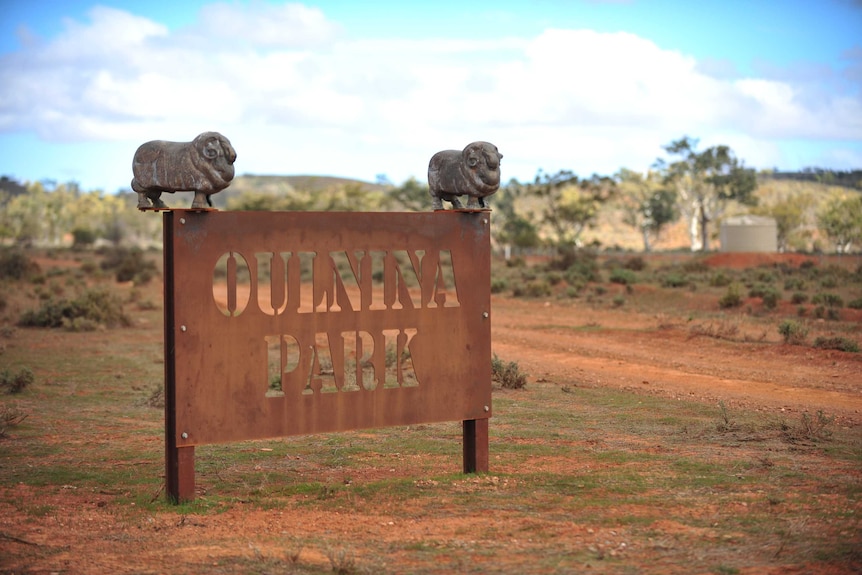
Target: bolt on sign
<point>291,323</point>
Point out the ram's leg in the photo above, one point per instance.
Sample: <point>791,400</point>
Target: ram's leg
<point>156,199</point>
<point>143,201</point>
<point>473,203</point>
<point>436,203</point>
<point>200,201</point>
<point>456,203</point>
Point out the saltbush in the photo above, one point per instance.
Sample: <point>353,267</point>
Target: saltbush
<point>10,416</point>
<point>94,306</point>
<point>798,298</point>
<point>623,276</point>
<point>828,300</point>
<point>499,285</point>
<point>731,298</point>
<point>129,265</point>
<point>508,375</point>
<point>720,279</point>
<point>793,332</point>
<point>15,265</point>
<point>836,342</point>
<point>635,263</point>
<point>16,382</point>
<point>770,298</point>
<point>534,288</point>
<point>797,284</point>
<point>674,280</point>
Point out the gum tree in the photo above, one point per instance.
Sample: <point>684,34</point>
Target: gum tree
<point>571,204</point>
<point>705,182</point>
<point>840,218</point>
<point>648,204</point>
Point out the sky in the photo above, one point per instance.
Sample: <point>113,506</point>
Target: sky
<point>373,89</point>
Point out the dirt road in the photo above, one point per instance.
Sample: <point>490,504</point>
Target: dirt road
<point>570,343</point>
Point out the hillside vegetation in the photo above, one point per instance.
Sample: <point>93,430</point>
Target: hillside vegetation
<point>679,205</point>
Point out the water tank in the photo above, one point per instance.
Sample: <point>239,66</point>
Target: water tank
<point>749,234</point>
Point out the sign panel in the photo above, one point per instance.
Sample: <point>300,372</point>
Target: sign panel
<point>287,323</point>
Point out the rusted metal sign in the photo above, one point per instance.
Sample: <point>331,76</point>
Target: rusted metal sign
<point>287,323</point>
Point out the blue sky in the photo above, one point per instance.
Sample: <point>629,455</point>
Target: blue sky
<point>358,89</point>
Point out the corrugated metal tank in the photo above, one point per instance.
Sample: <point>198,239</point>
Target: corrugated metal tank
<point>749,234</point>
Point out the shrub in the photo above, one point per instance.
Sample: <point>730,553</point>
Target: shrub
<point>83,238</point>
<point>674,280</point>
<point>636,263</point>
<point>809,429</point>
<point>623,276</point>
<point>765,276</point>
<point>720,279</point>
<point>554,277</point>
<point>535,288</point>
<point>695,266</point>
<point>794,284</point>
<point>731,298</point>
<point>798,298</point>
<point>836,342</point>
<point>793,332</point>
<point>10,417</point>
<point>770,298</point>
<point>829,282</point>
<point>11,382</point>
<point>828,300</point>
<point>95,305</point>
<point>757,290</point>
<point>129,265</point>
<point>508,375</point>
<point>855,304</point>
<point>15,265</point>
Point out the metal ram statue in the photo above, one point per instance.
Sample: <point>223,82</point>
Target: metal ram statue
<point>203,166</point>
<point>473,172</point>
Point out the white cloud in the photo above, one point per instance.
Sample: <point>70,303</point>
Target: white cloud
<point>295,94</point>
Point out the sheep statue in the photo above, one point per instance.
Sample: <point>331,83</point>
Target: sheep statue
<point>472,172</point>
<point>203,166</point>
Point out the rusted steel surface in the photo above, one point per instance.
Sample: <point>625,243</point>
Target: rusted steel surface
<point>286,323</point>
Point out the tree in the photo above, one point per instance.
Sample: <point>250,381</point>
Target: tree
<point>705,182</point>
<point>840,218</point>
<point>411,195</point>
<point>791,214</point>
<point>571,204</point>
<point>512,226</point>
<point>647,204</point>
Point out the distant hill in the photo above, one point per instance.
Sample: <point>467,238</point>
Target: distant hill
<point>289,185</point>
<point>846,179</point>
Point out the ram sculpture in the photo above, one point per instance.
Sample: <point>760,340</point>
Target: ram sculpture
<point>203,166</point>
<point>473,172</point>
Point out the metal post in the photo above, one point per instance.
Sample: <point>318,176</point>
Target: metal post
<point>475,446</point>
<point>179,461</point>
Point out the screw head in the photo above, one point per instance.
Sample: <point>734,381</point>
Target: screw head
<point>184,435</point>
<point>485,314</point>
<point>183,328</point>
<point>182,220</point>
<point>487,409</point>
